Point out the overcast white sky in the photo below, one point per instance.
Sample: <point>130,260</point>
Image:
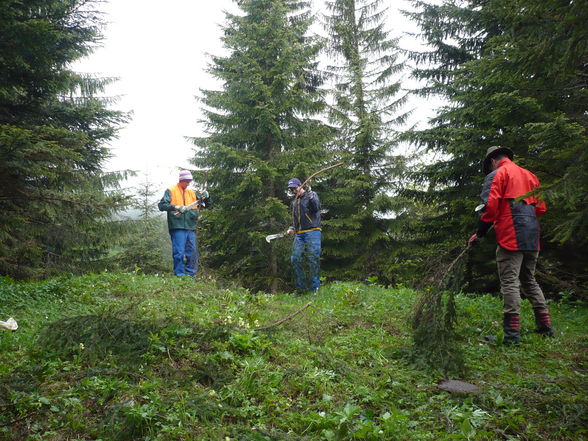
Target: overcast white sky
<point>158,50</point>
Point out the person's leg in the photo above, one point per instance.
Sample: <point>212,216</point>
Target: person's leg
<point>509,267</point>
<point>296,259</point>
<point>313,254</point>
<point>533,292</point>
<point>178,238</point>
<point>191,252</point>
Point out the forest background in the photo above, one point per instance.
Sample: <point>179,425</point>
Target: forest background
<point>511,73</point>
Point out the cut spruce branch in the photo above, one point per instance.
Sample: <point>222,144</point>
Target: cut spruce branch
<point>433,320</point>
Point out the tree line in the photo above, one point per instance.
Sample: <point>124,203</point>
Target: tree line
<point>511,73</point>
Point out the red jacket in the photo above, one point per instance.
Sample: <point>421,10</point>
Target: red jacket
<point>516,223</point>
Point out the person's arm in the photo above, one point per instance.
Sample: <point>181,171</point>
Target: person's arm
<point>485,224</point>
<point>314,204</point>
<point>165,202</point>
<point>483,228</point>
<point>540,208</point>
<point>491,195</point>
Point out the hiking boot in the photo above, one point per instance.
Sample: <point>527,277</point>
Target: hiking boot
<point>512,328</point>
<point>543,322</point>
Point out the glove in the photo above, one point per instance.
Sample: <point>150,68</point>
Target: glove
<point>183,209</point>
<point>472,238</point>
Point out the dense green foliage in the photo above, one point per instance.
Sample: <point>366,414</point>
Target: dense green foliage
<point>53,192</point>
<point>365,113</point>
<point>260,134</point>
<point>128,357</point>
<point>143,244</point>
<point>514,74</point>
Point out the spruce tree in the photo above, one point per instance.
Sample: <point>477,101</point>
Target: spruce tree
<point>365,111</point>
<point>53,192</point>
<point>260,132</point>
<point>143,243</point>
<point>514,74</point>
<point>446,186</point>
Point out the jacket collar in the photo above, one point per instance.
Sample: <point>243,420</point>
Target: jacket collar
<point>503,161</point>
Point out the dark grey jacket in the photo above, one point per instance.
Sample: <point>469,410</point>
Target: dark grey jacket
<point>306,212</point>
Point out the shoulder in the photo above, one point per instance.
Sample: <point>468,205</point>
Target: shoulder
<point>529,173</point>
<point>490,176</point>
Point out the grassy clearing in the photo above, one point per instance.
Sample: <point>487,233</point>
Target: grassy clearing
<point>130,357</point>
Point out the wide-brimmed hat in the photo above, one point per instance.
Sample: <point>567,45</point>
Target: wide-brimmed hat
<point>294,182</point>
<point>493,152</point>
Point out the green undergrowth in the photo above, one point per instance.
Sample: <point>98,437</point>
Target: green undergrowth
<point>131,357</point>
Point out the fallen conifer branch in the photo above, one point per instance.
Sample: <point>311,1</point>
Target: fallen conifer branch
<point>279,322</point>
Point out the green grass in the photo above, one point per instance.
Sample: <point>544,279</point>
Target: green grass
<point>130,357</point>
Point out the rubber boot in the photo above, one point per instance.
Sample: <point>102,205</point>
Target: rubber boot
<point>512,327</point>
<point>543,322</point>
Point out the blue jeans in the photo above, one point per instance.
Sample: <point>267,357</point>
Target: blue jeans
<point>184,252</point>
<point>306,254</point>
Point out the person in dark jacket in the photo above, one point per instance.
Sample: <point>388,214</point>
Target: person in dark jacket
<point>181,205</point>
<point>514,215</point>
<point>306,249</point>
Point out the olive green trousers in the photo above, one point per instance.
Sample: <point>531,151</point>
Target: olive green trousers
<point>516,270</point>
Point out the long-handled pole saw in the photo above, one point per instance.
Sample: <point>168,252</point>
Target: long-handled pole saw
<point>271,237</point>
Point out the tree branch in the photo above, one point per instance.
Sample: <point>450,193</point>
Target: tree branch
<point>279,322</point>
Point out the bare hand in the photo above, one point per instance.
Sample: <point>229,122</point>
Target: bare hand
<point>472,239</point>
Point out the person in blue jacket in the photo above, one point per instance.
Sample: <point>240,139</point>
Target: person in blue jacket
<point>306,250</point>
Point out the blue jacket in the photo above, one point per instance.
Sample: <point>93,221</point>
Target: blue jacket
<point>306,212</point>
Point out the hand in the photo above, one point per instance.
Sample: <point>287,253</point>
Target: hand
<point>183,209</point>
<point>472,239</point>
<point>291,230</point>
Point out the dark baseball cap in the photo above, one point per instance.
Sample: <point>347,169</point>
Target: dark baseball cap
<point>294,182</point>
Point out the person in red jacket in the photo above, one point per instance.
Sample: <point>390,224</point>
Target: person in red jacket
<point>514,214</point>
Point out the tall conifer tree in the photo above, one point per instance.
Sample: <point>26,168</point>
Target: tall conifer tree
<point>260,133</point>
<point>515,75</point>
<point>366,110</point>
<point>52,134</point>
